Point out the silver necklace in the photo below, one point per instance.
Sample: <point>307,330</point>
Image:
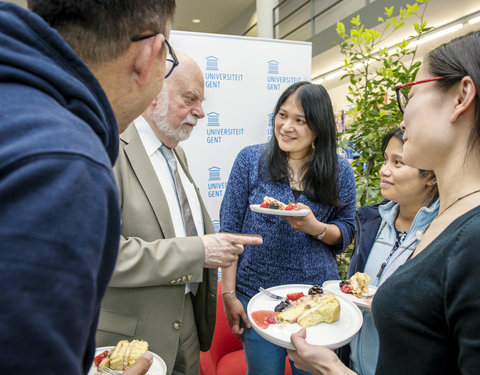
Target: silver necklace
<point>419,234</point>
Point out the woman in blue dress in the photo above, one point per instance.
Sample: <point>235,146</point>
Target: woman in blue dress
<point>299,164</point>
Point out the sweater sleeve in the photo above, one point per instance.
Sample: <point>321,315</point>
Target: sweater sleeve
<point>344,215</point>
<point>235,201</point>
<point>59,224</point>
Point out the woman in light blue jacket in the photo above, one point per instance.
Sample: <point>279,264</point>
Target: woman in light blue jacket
<point>387,236</point>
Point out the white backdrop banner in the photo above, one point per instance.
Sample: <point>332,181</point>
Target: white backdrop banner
<point>243,79</point>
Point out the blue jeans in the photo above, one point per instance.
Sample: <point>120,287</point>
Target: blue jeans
<point>263,357</point>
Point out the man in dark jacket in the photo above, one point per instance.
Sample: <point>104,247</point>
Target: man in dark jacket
<point>68,75</point>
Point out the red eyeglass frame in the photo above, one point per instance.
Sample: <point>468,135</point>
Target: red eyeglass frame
<point>399,92</point>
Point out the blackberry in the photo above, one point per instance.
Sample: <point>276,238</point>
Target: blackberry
<point>282,305</point>
<point>344,282</point>
<point>274,206</point>
<point>316,289</point>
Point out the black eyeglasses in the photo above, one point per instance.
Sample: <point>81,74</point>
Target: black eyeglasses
<point>402,97</point>
<point>171,52</point>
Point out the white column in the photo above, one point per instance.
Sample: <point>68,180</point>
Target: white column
<point>265,18</point>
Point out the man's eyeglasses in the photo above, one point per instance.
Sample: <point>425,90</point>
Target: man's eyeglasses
<point>171,52</point>
<point>402,97</point>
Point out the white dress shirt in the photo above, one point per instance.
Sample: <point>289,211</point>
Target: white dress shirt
<point>152,145</point>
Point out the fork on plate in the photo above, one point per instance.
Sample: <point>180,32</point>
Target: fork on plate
<point>107,371</point>
<point>270,294</point>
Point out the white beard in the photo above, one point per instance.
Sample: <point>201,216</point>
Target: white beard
<point>160,118</point>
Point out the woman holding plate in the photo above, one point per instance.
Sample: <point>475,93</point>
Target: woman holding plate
<point>299,164</point>
<point>426,312</point>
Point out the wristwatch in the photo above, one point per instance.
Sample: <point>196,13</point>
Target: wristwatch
<point>321,235</point>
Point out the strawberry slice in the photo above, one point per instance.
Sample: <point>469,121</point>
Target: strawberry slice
<point>100,357</point>
<point>271,319</point>
<point>263,205</point>
<point>294,296</point>
<point>346,289</point>
<point>292,206</point>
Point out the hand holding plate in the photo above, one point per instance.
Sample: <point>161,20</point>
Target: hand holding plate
<point>141,366</point>
<point>307,224</point>
<point>313,358</point>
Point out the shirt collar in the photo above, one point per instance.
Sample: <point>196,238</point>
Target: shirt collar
<point>150,141</point>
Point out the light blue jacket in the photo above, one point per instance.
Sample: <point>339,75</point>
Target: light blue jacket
<point>364,347</point>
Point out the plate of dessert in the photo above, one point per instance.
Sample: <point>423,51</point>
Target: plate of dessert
<point>271,206</point>
<point>330,320</point>
<point>356,290</point>
<point>123,355</point>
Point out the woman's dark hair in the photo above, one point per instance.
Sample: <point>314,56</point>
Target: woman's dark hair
<point>397,133</point>
<point>457,59</point>
<point>320,179</point>
<point>432,190</point>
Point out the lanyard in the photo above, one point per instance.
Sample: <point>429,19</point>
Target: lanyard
<point>398,243</point>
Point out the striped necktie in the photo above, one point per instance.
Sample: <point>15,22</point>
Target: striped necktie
<point>181,195</point>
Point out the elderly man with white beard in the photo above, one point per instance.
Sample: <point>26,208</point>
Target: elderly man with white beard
<point>164,286</point>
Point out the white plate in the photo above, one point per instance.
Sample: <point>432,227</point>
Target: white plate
<point>271,211</point>
<point>363,303</point>
<point>158,366</point>
<point>332,335</point>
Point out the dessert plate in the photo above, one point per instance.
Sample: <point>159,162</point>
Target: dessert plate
<point>332,335</point>
<point>271,211</point>
<point>158,366</point>
<point>363,303</point>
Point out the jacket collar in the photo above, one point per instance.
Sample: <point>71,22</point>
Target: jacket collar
<point>424,216</point>
<point>143,169</point>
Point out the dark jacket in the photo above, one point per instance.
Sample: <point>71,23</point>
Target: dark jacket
<point>59,213</point>
<point>367,223</point>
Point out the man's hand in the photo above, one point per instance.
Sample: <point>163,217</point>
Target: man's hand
<point>141,366</point>
<point>222,249</point>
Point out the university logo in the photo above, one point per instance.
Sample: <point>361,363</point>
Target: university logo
<point>214,174</point>
<point>212,63</point>
<point>216,225</point>
<point>271,119</point>
<point>270,125</point>
<point>213,119</point>
<point>273,67</point>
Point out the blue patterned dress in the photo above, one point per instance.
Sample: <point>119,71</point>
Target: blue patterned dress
<point>287,256</point>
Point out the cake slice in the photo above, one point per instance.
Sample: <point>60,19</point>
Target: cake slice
<point>278,205</point>
<point>359,284</point>
<point>311,310</point>
<point>327,311</point>
<point>134,350</point>
<point>117,355</point>
<point>105,362</point>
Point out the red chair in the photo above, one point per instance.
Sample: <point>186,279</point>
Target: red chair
<point>226,356</point>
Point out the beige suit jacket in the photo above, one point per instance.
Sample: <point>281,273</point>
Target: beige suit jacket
<point>146,294</point>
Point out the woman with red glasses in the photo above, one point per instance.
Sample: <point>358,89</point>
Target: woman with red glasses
<point>428,312</point>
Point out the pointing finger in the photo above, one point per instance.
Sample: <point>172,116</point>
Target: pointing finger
<point>246,239</point>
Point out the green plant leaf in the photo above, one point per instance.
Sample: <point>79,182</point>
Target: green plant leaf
<point>371,93</point>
